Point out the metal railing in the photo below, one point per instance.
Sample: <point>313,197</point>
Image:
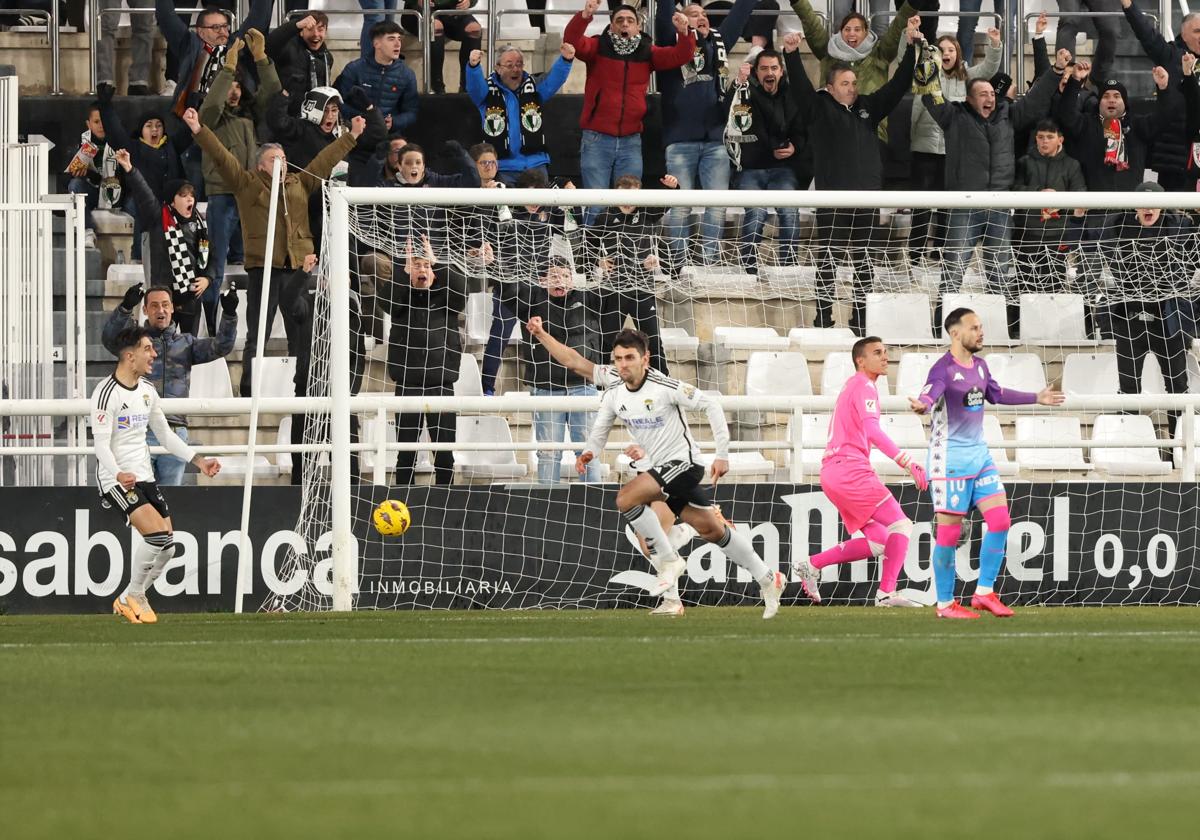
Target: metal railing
<point>1005,57</point>
<point>1019,81</point>
<point>94,35</point>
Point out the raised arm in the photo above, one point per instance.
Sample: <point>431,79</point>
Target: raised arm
<point>1066,111</point>
<point>1036,103</point>
<point>885,100</point>
<point>799,87</point>
<point>664,32</point>
<point>585,47</point>
<point>814,30</point>
<point>568,357</point>
<point>279,37</point>
<point>174,30</point>
<point>1191,98</point>
<point>1153,43</point>
<point>259,16</point>
<point>229,166</point>
<point>889,45</point>
<point>731,28</point>
<point>220,345</point>
<point>680,53</point>
<point>322,165</point>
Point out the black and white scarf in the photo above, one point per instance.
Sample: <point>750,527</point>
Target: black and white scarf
<point>495,117</point>
<point>184,265</point>
<point>696,71</point>
<point>739,125</point>
<point>216,60</point>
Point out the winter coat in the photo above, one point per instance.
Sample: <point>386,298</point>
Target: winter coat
<point>1086,132</point>
<point>236,128</point>
<point>926,134</point>
<point>614,97</point>
<point>1036,172</point>
<point>178,352</point>
<point>845,146</point>
<point>870,60</point>
<point>184,43</point>
<point>693,107</point>
<point>158,164</point>
<point>392,87</point>
<point>297,302</point>
<point>547,85</point>
<point>980,153</point>
<point>252,190</point>
<point>1172,146</point>
<point>300,69</point>
<point>574,320</point>
<point>775,121</point>
<point>424,348</point>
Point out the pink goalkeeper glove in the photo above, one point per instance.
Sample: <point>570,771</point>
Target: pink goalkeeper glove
<point>918,474</point>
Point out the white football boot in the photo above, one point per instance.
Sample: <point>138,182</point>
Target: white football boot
<point>772,592</point>
<point>810,578</point>
<point>891,599</point>
<point>670,607</point>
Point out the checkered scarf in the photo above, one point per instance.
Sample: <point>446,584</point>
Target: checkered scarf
<point>184,265</point>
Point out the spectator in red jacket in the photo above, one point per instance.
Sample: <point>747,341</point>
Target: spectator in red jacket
<point>619,63</point>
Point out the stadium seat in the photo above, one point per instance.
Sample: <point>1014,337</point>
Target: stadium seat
<point>1019,371</point>
<point>283,460</point>
<point>902,317</point>
<point>821,338</point>
<point>1053,318</point>
<point>210,381</point>
<point>479,319</point>
<point>278,376</point>
<point>785,374</point>
<point>676,339</point>
<point>1065,429</point>
<point>278,330</point>
<point>514,23</point>
<point>492,464</point>
<point>903,429</point>
<point>470,381</point>
<point>745,464</point>
<point>1126,460</point>
<point>814,435</point>
<point>994,437</point>
<point>913,371</point>
<point>749,338</point>
<point>719,280</point>
<point>837,368</point>
<point>1090,373</point>
<point>990,309</point>
<point>1178,441</point>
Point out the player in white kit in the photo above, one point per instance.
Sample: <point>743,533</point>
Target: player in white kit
<point>124,405</point>
<point>651,406</point>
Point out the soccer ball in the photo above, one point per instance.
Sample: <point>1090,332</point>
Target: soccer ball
<point>391,518</point>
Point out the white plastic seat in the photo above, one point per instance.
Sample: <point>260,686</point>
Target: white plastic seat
<point>991,310</point>
<point>1065,429</point>
<point>1090,373</point>
<point>913,371</point>
<point>903,429</point>
<point>821,338</point>
<point>113,223</point>
<point>278,377</point>
<point>837,368</point>
<point>514,23</point>
<point>1126,460</point>
<point>745,464</point>
<point>470,381</point>
<point>1019,371</point>
<point>769,373</point>
<point>1050,318</point>
<point>479,320</point>
<point>210,381</point>
<point>490,463</point>
<point>993,435</point>
<point>749,338</point>
<point>674,338</point>
<point>283,460</point>
<point>814,436</point>
<point>899,316</point>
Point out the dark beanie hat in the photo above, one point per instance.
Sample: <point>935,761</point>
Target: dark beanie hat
<point>173,187</point>
<point>146,116</point>
<point>1113,84</point>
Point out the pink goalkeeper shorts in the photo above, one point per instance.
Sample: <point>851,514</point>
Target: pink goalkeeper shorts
<point>854,489</point>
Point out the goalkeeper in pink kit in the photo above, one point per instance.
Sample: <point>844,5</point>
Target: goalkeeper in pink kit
<point>851,484</point>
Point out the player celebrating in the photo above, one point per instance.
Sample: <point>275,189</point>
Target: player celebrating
<point>123,406</point>
<point>956,388</point>
<point>605,377</point>
<point>849,482</point>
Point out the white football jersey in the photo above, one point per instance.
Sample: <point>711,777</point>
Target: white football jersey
<point>653,414</point>
<point>120,417</point>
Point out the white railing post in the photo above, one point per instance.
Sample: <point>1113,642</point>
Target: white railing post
<point>797,439</point>
<point>343,549</point>
<point>1188,418</point>
<point>380,441</point>
<point>79,336</point>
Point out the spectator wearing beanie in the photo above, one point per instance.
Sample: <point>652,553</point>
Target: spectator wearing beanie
<point>619,62</point>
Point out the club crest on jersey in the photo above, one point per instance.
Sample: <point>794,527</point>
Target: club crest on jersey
<point>130,496</point>
<point>146,399</point>
<point>649,403</point>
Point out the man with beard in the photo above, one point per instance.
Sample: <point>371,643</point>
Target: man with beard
<point>619,61</point>
<point>693,118</point>
<point>770,149</point>
<point>300,53</point>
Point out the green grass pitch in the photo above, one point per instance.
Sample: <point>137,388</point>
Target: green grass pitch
<point>822,723</point>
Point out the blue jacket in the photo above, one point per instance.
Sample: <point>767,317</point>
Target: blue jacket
<point>693,111</point>
<point>393,89</point>
<point>551,81</point>
<point>185,43</point>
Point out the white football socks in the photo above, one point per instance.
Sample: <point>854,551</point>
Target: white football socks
<point>739,549</point>
<point>149,558</point>
<point>645,524</point>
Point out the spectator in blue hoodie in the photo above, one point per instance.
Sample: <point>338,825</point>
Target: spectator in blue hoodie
<point>388,82</point>
<point>693,117</point>
<point>510,105</point>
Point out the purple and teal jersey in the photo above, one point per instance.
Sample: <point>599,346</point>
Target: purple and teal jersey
<point>956,394</point>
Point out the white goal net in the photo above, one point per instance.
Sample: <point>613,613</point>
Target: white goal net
<point>755,297</point>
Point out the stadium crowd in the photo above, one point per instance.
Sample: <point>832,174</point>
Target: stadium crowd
<point>244,98</point>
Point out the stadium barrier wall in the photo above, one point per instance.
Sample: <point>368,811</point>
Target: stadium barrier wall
<point>531,547</point>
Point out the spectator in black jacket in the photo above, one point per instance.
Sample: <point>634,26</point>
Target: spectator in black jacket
<point>768,145</point>
<point>301,55</point>
<point>1151,254</point>
<point>1171,152</point>
<point>980,155</point>
<point>1040,249</point>
<point>846,156</point>
<point>572,317</point>
<point>622,245</point>
<point>176,240</point>
<point>424,350</point>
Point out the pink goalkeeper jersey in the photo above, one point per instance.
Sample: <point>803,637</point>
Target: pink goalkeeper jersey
<point>854,425</point>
